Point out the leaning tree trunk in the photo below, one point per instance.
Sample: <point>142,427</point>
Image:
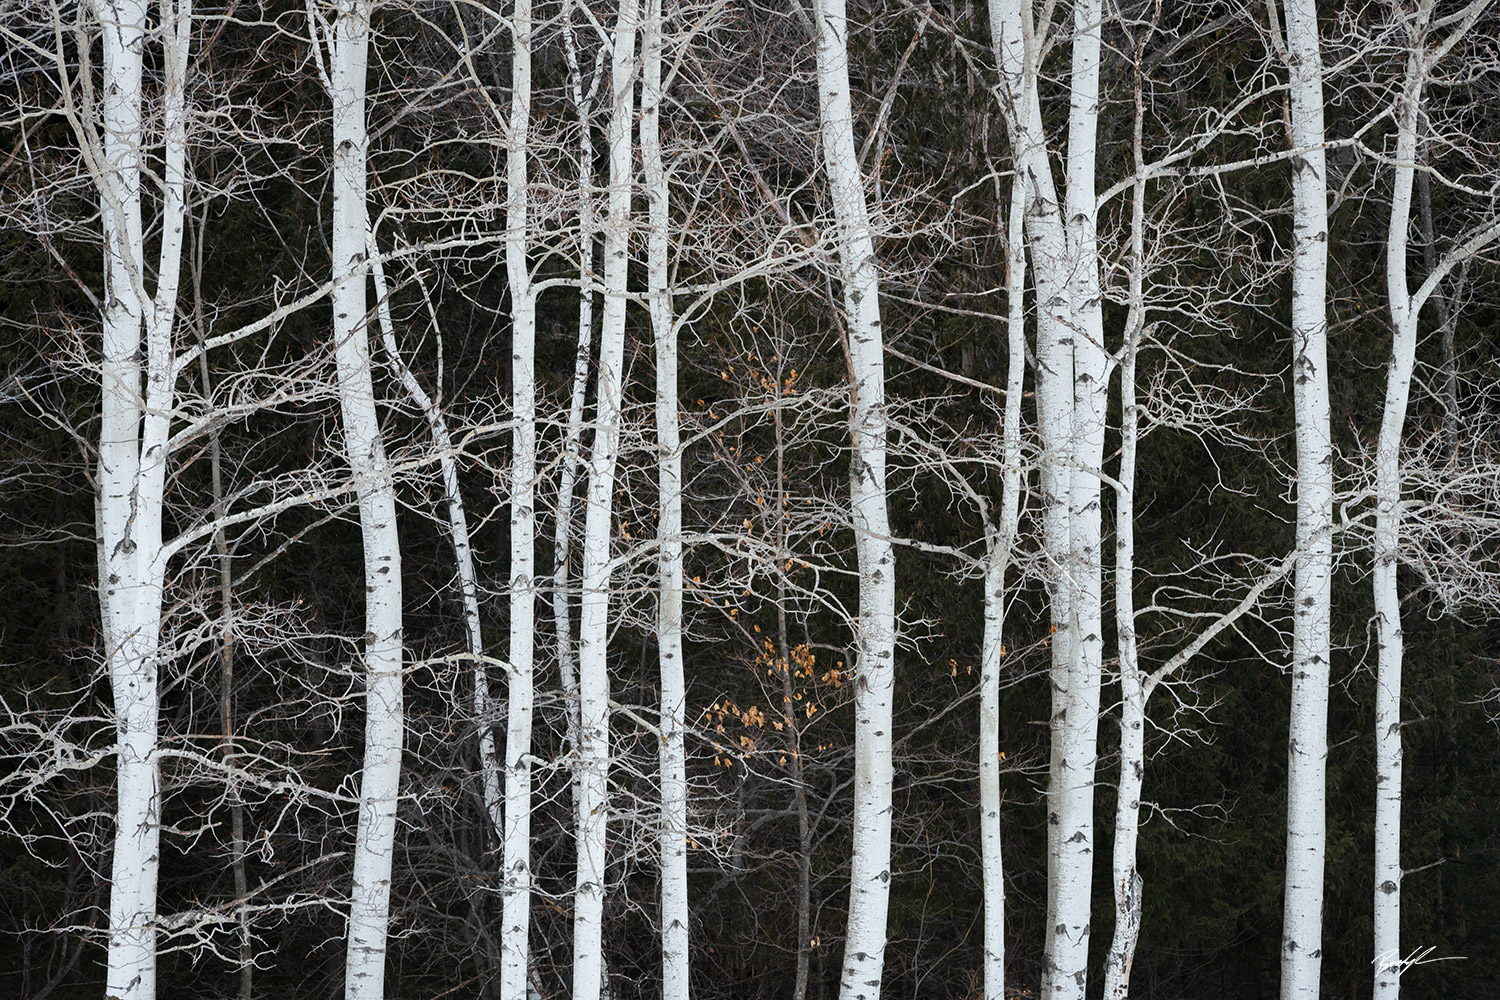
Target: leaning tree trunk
<point>593,619</point>
<point>463,551</point>
<point>870,874</point>
<point>380,778</point>
<point>567,479</point>
<point>1307,748</point>
<point>674,898</point>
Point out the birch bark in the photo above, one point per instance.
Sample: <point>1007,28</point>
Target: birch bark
<point>380,778</point>
<point>133,444</point>
<point>1013,33</point>
<point>674,898</point>
<point>458,531</point>
<point>1387,922</point>
<point>1405,309</point>
<point>516,847</point>
<point>593,634</point>
<point>992,650</point>
<point>1307,750</point>
<point>129,584</point>
<point>1076,712</point>
<point>870,875</point>
<point>567,482</point>
<point>1134,688</point>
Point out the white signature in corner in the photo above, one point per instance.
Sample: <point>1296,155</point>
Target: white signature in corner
<point>1393,962</point>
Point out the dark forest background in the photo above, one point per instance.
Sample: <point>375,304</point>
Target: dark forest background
<point>1213,841</point>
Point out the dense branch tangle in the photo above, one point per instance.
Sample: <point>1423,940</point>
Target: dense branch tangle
<point>420,268</point>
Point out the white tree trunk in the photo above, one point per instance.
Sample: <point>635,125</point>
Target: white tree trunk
<point>133,444</point>
<point>573,434</point>
<point>992,650</point>
<point>567,479</point>
<point>1405,308</point>
<point>1387,923</point>
<point>674,897</point>
<point>870,875</point>
<point>1134,688</point>
<point>516,889</point>
<point>593,625</point>
<point>1012,33</point>
<point>458,530</point>
<point>380,778</point>
<point>1307,751</point>
<point>1076,714</point>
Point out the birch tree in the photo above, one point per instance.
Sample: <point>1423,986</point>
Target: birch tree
<point>674,814</point>
<point>137,388</point>
<point>1126,879</point>
<point>347,40</point>
<point>593,636</point>
<point>1405,307</point>
<point>1387,924</point>
<point>459,533</point>
<point>1307,751</point>
<point>870,865</point>
<point>562,537</point>
<point>516,847</point>
<point>1136,683</point>
<point>992,649</point>
<point>1062,289</point>
<point>1076,713</point>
